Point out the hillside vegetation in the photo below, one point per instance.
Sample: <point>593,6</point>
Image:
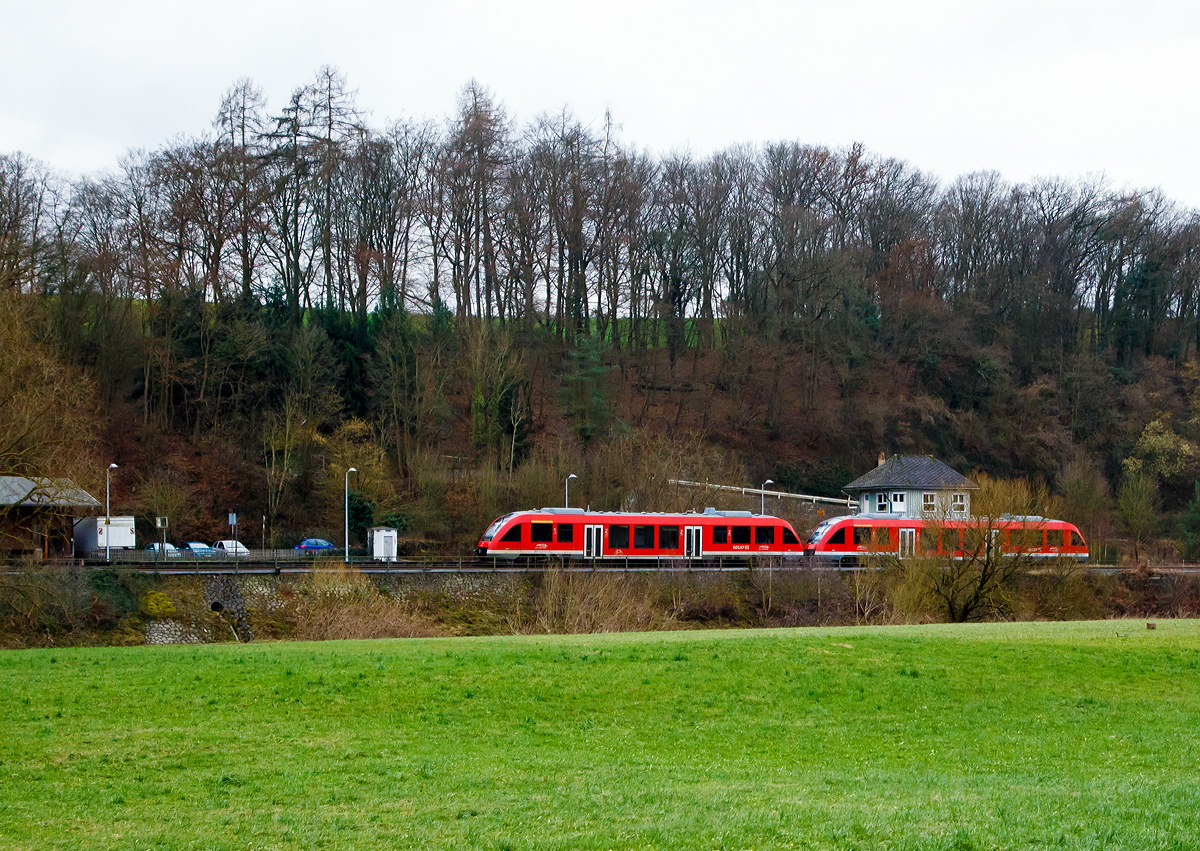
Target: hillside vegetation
<point>468,311</point>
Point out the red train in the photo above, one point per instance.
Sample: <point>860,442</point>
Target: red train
<point>575,533</point>
<point>851,539</point>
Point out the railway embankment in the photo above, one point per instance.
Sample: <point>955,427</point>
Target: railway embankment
<point>43,606</point>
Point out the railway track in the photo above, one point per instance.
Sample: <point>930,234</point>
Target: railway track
<point>284,562</point>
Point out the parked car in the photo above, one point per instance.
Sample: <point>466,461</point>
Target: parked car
<point>313,545</point>
<point>163,550</point>
<point>230,548</point>
<point>196,549</point>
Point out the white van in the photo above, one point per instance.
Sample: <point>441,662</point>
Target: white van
<point>230,548</point>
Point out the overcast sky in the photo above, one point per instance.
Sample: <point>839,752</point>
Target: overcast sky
<point>1024,88</point>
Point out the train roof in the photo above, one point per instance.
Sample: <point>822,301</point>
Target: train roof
<point>580,512</point>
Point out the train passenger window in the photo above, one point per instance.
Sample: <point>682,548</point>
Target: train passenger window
<point>668,537</point>
<point>972,541</point>
<point>741,534</point>
<point>885,539</point>
<point>838,537</point>
<point>1027,539</point>
<point>789,537</point>
<point>618,537</point>
<point>541,531</point>
<point>643,537</point>
<point>1076,539</point>
<point>764,534</point>
<point>513,535</point>
<point>862,536</point>
<point>929,540</point>
<point>566,533</point>
<point>720,534</point>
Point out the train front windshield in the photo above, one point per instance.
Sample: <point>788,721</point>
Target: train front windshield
<point>494,528</point>
<point>821,531</point>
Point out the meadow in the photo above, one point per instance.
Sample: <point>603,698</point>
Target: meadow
<point>1028,735</point>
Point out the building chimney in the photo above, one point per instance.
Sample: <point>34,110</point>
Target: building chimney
<point>882,458</point>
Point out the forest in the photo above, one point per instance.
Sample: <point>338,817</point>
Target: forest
<point>466,311</point>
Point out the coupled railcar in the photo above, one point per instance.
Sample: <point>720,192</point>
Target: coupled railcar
<point>849,540</point>
<point>604,535</point>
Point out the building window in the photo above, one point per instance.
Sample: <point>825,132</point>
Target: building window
<point>929,502</point>
<point>881,502</point>
<point>960,503</point>
<point>898,502</point>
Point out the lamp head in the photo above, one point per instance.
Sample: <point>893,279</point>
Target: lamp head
<point>112,466</point>
<point>572,476</point>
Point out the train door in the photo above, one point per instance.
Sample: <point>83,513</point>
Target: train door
<point>693,546</point>
<point>593,541</point>
<point>908,542</point>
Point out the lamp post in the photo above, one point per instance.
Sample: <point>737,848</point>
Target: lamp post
<point>107,519</point>
<point>347,530</point>
<point>762,492</point>
<point>567,487</point>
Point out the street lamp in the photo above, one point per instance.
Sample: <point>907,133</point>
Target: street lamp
<point>107,519</point>
<point>567,486</point>
<point>347,539</point>
<point>762,506</point>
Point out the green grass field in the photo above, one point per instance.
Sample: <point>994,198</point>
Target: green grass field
<point>1072,735</point>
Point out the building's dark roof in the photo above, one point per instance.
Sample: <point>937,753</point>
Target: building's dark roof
<point>44,493</point>
<point>910,471</point>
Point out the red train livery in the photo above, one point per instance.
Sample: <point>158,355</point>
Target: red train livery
<point>850,539</point>
<point>575,533</point>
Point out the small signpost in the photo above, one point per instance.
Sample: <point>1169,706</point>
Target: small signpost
<point>161,523</point>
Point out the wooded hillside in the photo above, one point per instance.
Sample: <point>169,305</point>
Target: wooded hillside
<point>467,311</point>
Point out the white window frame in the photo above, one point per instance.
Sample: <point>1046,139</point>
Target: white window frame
<point>959,503</point>
<point>898,502</point>
<point>929,502</point>
<point>881,502</point>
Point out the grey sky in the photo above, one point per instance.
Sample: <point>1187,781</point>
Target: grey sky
<point>1025,88</point>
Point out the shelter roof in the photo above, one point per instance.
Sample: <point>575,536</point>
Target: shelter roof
<point>44,493</point>
<point>911,471</point>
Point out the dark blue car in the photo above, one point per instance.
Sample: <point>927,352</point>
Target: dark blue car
<point>314,545</point>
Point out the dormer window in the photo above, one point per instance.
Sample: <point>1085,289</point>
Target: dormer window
<point>881,503</point>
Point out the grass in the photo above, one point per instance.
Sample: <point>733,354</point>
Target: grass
<point>1075,735</point>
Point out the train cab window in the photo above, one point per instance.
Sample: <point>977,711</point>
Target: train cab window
<point>838,537</point>
<point>513,535</point>
<point>741,534</point>
<point>541,532</point>
<point>764,534</point>
<point>862,536</point>
<point>1076,539</point>
<point>720,534</point>
<point>789,537</point>
<point>668,537</point>
<point>566,533</point>
<point>618,537</point>
<point>929,540</point>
